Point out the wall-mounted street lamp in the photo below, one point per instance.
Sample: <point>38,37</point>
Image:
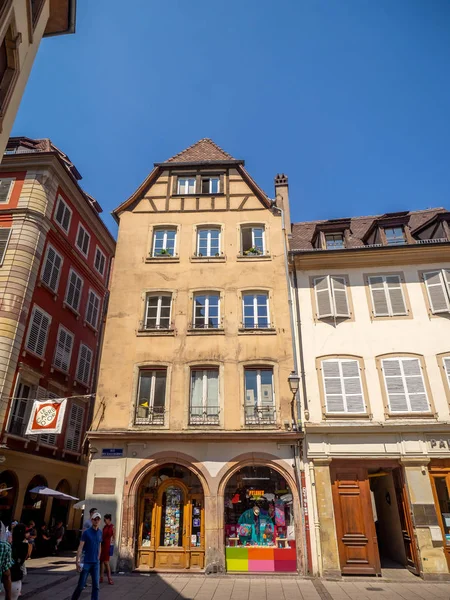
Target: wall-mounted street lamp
<point>294,383</point>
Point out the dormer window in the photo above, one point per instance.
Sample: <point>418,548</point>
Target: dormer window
<point>210,185</point>
<point>334,241</point>
<point>394,236</point>
<point>186,185</point>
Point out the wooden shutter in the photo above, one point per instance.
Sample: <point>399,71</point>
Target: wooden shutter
<point>437,292</point>
<point>5,233</point>
<point>63,350</point>
<point>387,296</point>
<point>379,297</point>
<point>92,309</point>
<point>343,386</point>
<point>74,428</point>
<point>405,386</point>
<point>37,333</point>
<point>5,186</point>
<point>395,293</point>
<point>47,438</point>
<point>74,290</point>
<point>323,297</point>
<point>446,363</point>
<point>84,364</point>
<point>52,268</point>
<point>339,288</point>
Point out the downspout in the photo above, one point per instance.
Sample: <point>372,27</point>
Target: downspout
<point>297,423</point>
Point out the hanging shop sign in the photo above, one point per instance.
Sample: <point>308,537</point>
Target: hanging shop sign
<point>47,416</point>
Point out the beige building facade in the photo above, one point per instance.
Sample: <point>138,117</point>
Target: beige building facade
<point>373,301</point>
<point>194,445</point>
<point>23,24</point>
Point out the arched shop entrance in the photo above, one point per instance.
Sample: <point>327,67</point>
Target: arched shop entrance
<point>259,522</point>
<point>171,523</point>
<point>34,505</point>
<point>9,486</point>
<point>60,508</point>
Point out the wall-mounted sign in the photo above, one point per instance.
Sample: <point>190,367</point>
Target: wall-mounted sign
<point>438,444</point>
<point>112,453</point>
<point>256,492</point>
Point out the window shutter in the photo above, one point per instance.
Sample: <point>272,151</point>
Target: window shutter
<point>404,385</point>
<point>47,438</point>
<point>394,288</point>
<point>323,297</point>
<point>415,385</point>
<point>52,268</point>
<point>74,286</point>
<point>84,364</point>
<point>63,350</point>
<point>92,309</point>
<point>339,287</point>
<point>4,239</point>
<point>5,185</point>
<point>446,362</point>
<point>352,386</point>
<point>334,397</point>
<point>343,386</point>
<point>437,293</point>
<point>379,299</point>
<point>37,335</point>
<point>74,428</point>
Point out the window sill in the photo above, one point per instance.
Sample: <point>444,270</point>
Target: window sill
<point>425,415</point>
<point>90,326</point>
<point>260,426</point>
<point>140,426</point>
<point>257,330</point>
<point>71,309</point>
<point>346,416</point>
<point>59,370</point>
<point>31,353</point>
<point>211,331</point>
<point>254,257</point>
<point>164,258</point>
<point>78,382</point>
<point>201,195</point>
<point>155,332</point>
<point>208,259</point>
<point>49,289</point>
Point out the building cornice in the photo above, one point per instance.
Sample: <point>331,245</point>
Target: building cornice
<point>365,428</point>
<point>196,436</point>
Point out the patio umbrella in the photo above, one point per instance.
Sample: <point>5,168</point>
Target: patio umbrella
<point>45,491</point>
<point>80,505</point>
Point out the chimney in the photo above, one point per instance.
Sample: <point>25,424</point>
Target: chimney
<point>282,198</point>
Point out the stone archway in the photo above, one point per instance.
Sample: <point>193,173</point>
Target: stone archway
<point>34,505</point>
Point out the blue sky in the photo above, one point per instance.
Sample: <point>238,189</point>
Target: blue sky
<point>349,98</point>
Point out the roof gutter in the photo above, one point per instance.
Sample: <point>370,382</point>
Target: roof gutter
<point>365,249</point>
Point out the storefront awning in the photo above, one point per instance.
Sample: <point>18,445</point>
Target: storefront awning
<point>45,491</point>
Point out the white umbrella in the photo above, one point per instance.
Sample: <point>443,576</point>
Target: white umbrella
<point>80,505</point>
<point>45,491</point>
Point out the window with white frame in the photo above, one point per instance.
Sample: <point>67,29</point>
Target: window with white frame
<point>186,185</point>
<point>253,240</point>
<point>206,311</point>
<point>74,428</point>
<point>92,309</point>
<point>342,386</point>
<point>164,242</point>
<point>204,401</point>
<point>6,186</point>
<point>387,296</point>
<point>208,241</point>
<point>446,364</point>
<point>21,406</point>
<point>331,297</point>
<point>255,307</point>
<point>158,311</point>
<point>151,400</point>
<point>259,396</point>
<point>5,234</point>
<point>438,290</point>
<point>51,268</point>
<point>73,292</point>
<point>334,241</point>
<point>395,236</point>
<point>99,261</point>
<point>405,385</point>
<point>83,373</point>
<point>63,214</point>
<point>211,185</point>
<point>63,349</point>
<point>38,331</point>
<point>47,438</point>
<point>83,240</point>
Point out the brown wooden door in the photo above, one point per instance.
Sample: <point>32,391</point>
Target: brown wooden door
<point>355,527</point>
<point>406,521</point>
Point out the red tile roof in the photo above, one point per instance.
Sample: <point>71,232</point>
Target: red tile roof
<point>302,233</point>
<point>204,150</point>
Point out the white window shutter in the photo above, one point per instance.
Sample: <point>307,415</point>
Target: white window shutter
<point>52,268</point>
<point>334,397</point>
<point>395,386</point>
<point>339,288</point>
<point>47,438</point>
<point>415,385</point>
<point>37,334</point>
<point>63,350</point>
<point>379,299</point>
<point>405,385</point>
<point>5,186</point>
<point>74,428</point>
<point>4,239</point>
<point>84,364</point>
<point>323,297</point>
<point>446,363</point>
<point>352,386</point>
<point>437,292</point>
<point>394,289</point>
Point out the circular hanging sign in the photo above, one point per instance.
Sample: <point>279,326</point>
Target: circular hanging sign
<point>45,415</point>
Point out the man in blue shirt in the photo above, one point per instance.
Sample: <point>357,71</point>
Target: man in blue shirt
<point>90,543</point>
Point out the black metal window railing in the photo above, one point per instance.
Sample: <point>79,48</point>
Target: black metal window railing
<point>260,415</point>
<point>204,415</point>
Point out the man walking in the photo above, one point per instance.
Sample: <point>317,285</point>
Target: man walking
<point>88,522</point>
<point>90,544</point>
<point>6,562</point>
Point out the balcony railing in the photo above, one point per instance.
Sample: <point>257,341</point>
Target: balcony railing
<point>153,415</point>
<point>204,415</point>
<point>260,415</point>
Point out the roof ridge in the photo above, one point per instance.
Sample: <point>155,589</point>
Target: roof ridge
<point>197,143</point>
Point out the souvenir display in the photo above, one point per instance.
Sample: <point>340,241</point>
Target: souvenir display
<point>172,520</point>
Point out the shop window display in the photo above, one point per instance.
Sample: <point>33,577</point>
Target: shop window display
<point>259,522</point>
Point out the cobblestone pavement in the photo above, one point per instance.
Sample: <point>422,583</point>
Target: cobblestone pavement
<point>55,579</point>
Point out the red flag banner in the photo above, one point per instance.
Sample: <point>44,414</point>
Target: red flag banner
<point>46,416</point>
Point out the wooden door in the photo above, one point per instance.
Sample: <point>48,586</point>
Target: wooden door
<point>355,527</point>
<point>406,521</point>
<point>172,526</point>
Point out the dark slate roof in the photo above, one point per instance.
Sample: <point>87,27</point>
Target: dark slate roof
<point>204,150</point>
<point>303,233</point>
